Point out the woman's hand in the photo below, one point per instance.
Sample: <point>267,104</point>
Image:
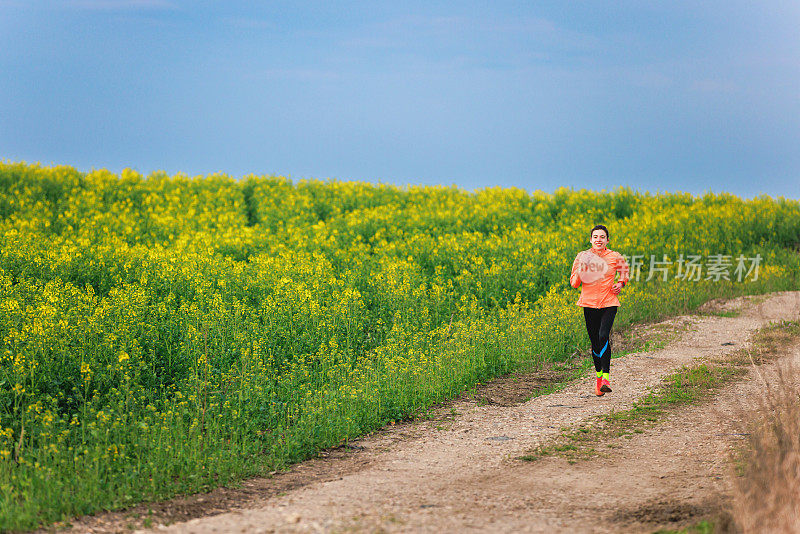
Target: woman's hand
<point>616,288</point>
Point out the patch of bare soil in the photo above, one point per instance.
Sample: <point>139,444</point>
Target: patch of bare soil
<point>722,306</point>
<point>659,512</point>
<point>518,387</point>
<point>457,470</point>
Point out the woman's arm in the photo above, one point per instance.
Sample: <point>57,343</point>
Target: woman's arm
<point>624,271</point>
<point>574,278</point>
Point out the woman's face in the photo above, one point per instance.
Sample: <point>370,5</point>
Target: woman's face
<point>599,240</point>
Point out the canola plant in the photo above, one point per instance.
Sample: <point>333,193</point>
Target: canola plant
<point>167,334</point>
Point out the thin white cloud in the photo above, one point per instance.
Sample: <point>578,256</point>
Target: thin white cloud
<point>713,86</point>
<point>461,41</point>
<point>296,74</point>
<point>251,24</point>
<point>116,5</point>
<point>651,79</point>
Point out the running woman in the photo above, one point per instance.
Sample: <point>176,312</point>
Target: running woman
<point>595,270</point>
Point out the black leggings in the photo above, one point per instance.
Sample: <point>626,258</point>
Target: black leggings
<point>598,323</point>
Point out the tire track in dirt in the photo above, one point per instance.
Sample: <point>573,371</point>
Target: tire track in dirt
<point>458,473</point>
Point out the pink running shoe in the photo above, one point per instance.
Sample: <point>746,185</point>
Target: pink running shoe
<point>605,386</point>
<point>598,389</point>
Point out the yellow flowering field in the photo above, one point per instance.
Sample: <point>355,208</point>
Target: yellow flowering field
<point>167,334</point>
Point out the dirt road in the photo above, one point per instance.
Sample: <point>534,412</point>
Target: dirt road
<point>460,472</point>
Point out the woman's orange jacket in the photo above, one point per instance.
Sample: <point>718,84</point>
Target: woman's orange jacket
<point>597,294</point>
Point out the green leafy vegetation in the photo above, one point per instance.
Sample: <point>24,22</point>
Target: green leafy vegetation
<point>163,335</point>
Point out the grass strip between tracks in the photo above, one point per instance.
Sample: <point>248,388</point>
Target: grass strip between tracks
<point>688,385</point>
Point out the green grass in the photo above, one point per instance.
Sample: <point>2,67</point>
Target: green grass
<point>725,313</point>
<point>703,527</point>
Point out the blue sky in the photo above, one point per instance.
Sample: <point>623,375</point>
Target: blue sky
<point>658,96</point>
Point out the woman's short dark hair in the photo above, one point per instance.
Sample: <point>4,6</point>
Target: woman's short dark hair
<point>600,227</point>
